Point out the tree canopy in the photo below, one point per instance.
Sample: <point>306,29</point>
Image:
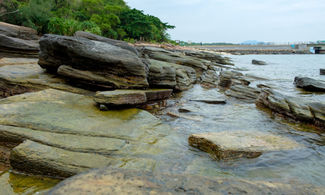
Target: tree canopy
<point>109,18</point>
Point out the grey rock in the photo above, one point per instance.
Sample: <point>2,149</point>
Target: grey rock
<point>123,68</point>
<point>294,108</point>
<point>242,92</point>
<point>118,181</point>
<point>121,44</point>
<point>162,74</point>
<point>19,32</point>
<point>322,71</point>
<point>16,46</point>
<point>211,56</point>
<point>258,62</point>
<point>310,84</point>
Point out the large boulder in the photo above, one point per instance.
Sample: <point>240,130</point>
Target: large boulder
<point>121,44</point>
<point>117,181</point>
<point>62,134</point>
<point>228,145</point>
<point>294,108</point>
<point>310,84</point>
<point>229,78</point>
<point>19,32</point>
<point>92,63</point>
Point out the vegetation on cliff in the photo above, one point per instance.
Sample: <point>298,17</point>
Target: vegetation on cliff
<point>109,18</point>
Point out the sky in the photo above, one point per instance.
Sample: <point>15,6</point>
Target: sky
<point>236,21</point>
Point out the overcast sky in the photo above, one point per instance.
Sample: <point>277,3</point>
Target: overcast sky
<point>239,20</point>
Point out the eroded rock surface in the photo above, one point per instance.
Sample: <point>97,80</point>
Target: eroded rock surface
<point>93,63</point>
<point>64,134</point>
<point>310,84</point>
<point>115,181</point>
<point>21,75</point>
<point>238,144</point>
<point>295,108</point>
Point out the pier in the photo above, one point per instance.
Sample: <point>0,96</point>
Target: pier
<point>319,48</point>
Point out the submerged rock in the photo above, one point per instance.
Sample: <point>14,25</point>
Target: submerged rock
<point>117,181</point>
<point>310,84</point>
<point>295,108</point>
<point>238,144</point>
<point>64,134</point>
<point>92,63</point>
<point>258,62</point>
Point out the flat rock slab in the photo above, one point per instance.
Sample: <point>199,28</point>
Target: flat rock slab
<point>211,101</point>
<point>310,84</point>
<point>117,181</point>
<point>120,98</point>
<point>237,144</point>
<point>64,134</point>
<point>21,75</point>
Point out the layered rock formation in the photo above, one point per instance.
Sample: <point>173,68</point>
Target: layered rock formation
<point>92,63</point>
<point>61,134</point>
<point>18,40</point>
<point>294,108</point>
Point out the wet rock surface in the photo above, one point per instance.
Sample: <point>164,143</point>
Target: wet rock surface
<point>322,71</point>
<point>243,92</point>
<point>227,145</point>
<point>115,181</point>
<point>93,63</point>
<point>295,108</point>
<point>310,84</point>
<point>258,62</point>
<point>60,132</point>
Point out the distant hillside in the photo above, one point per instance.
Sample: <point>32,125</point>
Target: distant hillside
<point>109,18</point>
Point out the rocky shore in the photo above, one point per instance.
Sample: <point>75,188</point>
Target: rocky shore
<point>91,102</point>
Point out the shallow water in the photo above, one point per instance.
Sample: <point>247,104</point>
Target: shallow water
<point>305,165</point>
